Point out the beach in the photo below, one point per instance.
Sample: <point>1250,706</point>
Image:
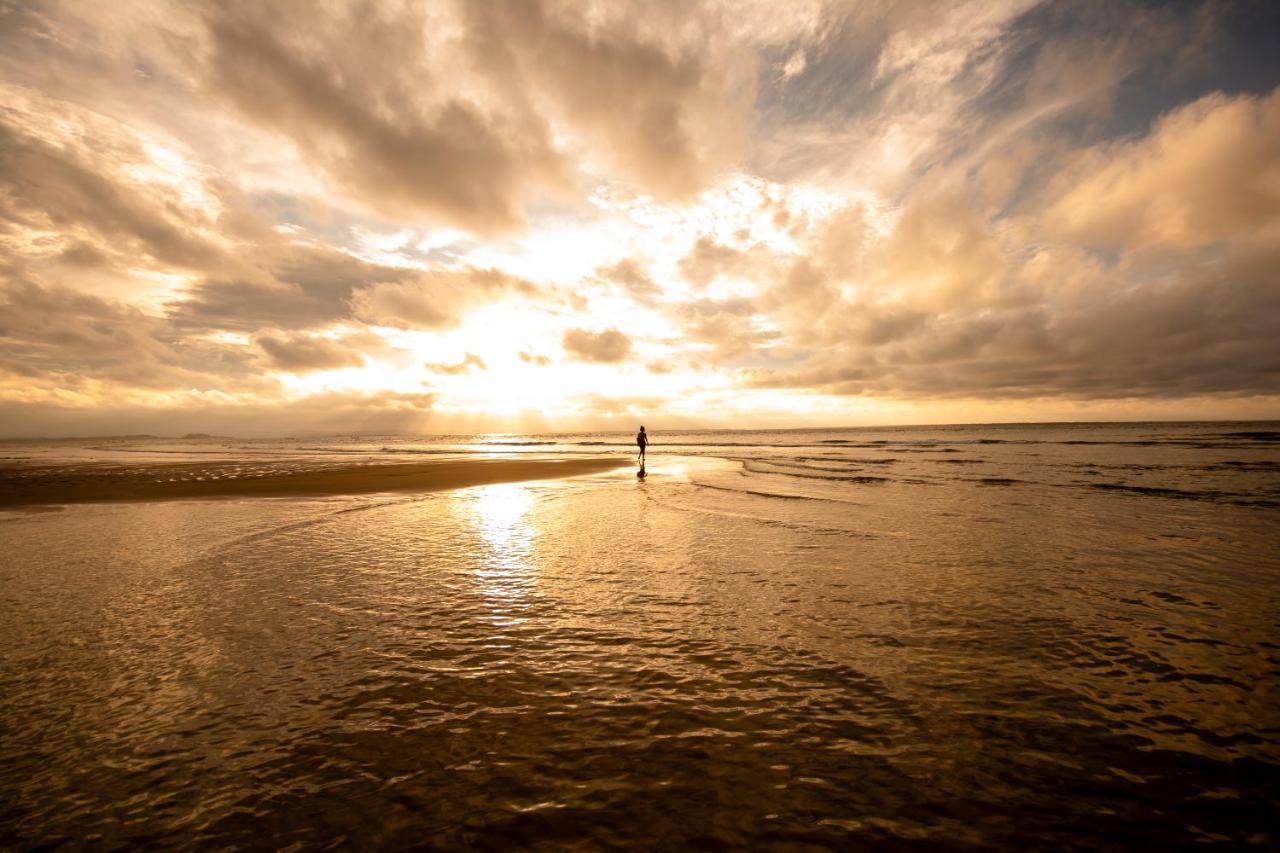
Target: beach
<point>42,486</point>
<point>517,425</point>
<point>939,638</point>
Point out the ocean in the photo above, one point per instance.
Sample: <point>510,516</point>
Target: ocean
<point>968,637</point>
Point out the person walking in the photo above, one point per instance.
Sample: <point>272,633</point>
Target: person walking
<point>642,441</point>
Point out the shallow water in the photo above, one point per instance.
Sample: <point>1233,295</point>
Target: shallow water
<point>843,639</point>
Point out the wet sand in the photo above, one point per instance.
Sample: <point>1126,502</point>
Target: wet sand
<point>98,484</point>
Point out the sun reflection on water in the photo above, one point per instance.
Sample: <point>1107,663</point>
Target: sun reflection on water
<point>505,572</point>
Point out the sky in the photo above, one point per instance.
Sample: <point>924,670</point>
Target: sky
<point>283,218</point>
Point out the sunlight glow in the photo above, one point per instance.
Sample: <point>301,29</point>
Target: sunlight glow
<point>505,576</point>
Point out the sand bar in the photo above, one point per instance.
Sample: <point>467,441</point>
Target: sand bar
<point>60,485</point>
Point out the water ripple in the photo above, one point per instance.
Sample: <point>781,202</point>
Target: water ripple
<point>674,663</point>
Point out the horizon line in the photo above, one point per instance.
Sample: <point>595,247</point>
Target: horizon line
<point>319,435</point>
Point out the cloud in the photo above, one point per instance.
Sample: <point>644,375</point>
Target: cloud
<point>294,286</point>
<point>996,201</point>
<point>687,84</point>
<point>69,339</point>
<point>406,305</point>
<point>631,275</point>
<point>623,407</point>
<point>1071,333</point>
<point>606,347</point>
<point>804,291</point>
<point>301,353</point>
<point>469,363</point>
<point>505,99</point>
<point>1058,295</point>
<point>795,64</point>
<point>381,412</point>
<point>942,252</point>
<point>77,175</point>
<point>434,300</point>
<point>338,92</point>
<point>728,325</point>
<point>1207,172</point>
<point>708,260</point>
<point>534,359</point>
<point>886,92</point>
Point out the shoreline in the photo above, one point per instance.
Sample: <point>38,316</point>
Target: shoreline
<point>57,485</point>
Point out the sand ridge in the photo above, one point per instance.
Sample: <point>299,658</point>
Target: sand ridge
<point>61,485</point>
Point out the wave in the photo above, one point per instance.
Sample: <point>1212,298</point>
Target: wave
<point>1241,465</point>
<point>760,494</point>
<point>510,443</point>
<point>1165,492</point>
<point>1253,435</point>
<point>188,452</point>
<point>907,445</point>
<point>857,478</point>
<point>777,464</point>
<point>853,460</point>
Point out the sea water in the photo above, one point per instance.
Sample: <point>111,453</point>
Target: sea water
<point>1011,636</point>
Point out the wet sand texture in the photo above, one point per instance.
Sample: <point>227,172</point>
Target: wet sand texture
<point>34,487</point>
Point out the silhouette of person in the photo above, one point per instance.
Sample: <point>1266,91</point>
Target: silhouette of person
<point>642,441</point>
